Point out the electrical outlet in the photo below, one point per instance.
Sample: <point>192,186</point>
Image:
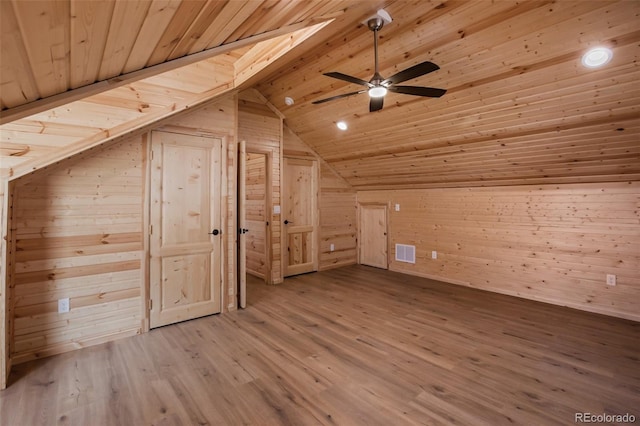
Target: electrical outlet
<point>611,279</point>
<point>332,247</point>
<point>434,254</point>
<point>276,209</point>
<point>63,305</point>
<point>397,207</point>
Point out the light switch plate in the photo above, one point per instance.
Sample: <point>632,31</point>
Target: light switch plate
<point>63,305</point>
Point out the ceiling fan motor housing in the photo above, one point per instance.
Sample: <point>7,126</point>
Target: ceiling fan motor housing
<point>375,24</point>
<point>380,14</point>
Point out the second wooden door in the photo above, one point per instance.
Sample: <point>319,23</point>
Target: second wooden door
<point>300,215</point>
<point>372,241</point>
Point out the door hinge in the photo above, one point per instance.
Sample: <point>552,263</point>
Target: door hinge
<point>151,155</point>
<point>150,304</point>
<point>150,229</point>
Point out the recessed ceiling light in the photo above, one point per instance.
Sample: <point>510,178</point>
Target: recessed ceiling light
<point>342,125</point>
<point>289,101</point>
<point>597,57</point>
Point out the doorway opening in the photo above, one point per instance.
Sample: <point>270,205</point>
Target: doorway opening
<point>256,205</point>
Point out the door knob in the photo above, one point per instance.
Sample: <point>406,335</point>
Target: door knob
<point>214,232</point>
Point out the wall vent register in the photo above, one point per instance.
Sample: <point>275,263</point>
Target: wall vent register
<point>405,253</point>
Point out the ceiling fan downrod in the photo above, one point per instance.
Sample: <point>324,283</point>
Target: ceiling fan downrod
<point>378,90</point>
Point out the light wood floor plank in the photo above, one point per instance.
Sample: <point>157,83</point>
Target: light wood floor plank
<point>350,346</point>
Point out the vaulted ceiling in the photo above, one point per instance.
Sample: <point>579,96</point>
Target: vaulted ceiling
<point>519,108</point>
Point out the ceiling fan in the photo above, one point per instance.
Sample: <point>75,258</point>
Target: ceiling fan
<point>378,86</point>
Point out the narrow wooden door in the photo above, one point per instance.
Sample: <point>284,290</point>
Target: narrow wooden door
<point>185,240</point>
<point>242,224</point>
<point>372,239</point>
<point>300,216</point>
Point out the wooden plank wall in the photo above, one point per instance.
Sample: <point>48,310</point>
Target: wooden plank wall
<point>261,128</point>
<point>77,229</point>
<point>256,215</point>
<point>4,289</point>
<point>552,243</point>
<point>337,204</point>
<point>338,220</point>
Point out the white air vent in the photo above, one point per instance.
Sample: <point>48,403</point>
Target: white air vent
<point>405,253</point>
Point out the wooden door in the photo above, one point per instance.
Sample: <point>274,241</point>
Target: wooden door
<point>372,238</point>
<point>242,224</point>
<point>185,237</point>
<point>300,216</point>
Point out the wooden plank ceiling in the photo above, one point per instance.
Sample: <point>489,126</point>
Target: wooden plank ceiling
<point>75,73</point>
<point>520,108</point>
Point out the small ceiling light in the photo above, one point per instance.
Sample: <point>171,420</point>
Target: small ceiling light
<point>597,57</point>
<point>377,91</point>
<point>289,101</point>
<point>342,125</point>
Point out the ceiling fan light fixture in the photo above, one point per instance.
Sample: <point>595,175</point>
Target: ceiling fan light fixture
<point>597,57</point>
<point>377,91</point>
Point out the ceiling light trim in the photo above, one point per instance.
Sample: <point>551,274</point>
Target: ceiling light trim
<point>597,57</point>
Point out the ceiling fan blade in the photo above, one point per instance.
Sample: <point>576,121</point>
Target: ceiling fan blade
<point>412,72</point>
<point>376,104</point>
<point>344,95</point>
<point>429,92</point>
<point>348,78</point>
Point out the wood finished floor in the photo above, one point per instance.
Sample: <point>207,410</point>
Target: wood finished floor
<point>352,346</point>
